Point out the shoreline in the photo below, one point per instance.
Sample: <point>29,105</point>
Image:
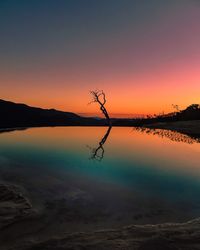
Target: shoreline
<point>190,128</point>
<point>167,236</point>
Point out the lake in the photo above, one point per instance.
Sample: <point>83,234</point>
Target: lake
<point>89,177</point>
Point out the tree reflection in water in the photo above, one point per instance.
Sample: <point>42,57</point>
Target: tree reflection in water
<point>98,152</point>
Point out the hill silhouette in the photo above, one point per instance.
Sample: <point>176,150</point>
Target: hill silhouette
<point>17,115</point>
<point>21,115</point>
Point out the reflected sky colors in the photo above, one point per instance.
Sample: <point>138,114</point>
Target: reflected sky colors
<point>125,150</point>
<point>125,145</point>
<point>144,54</point>
<point>139,171</point>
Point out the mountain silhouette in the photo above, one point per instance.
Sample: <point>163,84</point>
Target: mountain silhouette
<point>17,115</point>
<point>21,115</point>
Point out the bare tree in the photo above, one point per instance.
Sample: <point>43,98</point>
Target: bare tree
<point>176,107</point>
<point>100,97</point>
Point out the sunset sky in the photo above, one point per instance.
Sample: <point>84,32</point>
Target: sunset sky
<point>145,54</point>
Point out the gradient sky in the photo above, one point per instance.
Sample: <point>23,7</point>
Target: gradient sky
<point>145,54</point>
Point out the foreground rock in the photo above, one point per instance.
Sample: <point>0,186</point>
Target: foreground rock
<point>184,236</point>
<point>14,205</point>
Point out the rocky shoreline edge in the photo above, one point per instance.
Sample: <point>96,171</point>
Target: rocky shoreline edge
<point>14,206</point>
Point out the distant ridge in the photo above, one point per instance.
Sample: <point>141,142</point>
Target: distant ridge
<point>21,115</point>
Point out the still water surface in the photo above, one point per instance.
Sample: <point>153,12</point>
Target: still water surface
<point>130,176</point>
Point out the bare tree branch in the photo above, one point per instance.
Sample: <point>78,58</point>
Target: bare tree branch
<point>100,97</point>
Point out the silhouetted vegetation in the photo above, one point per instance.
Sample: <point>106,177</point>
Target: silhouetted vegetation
<point>100,98</point>
<point>192,112</point>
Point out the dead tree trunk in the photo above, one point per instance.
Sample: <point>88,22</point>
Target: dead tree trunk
<point>100,98</point>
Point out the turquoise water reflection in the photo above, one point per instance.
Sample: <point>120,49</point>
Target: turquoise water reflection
<point>138,170</point>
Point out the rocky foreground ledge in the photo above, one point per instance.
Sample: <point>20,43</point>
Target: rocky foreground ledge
<point>185,236</point>
<point>14,207</point>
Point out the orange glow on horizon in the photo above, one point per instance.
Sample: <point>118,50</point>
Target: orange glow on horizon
<point>123,97</point>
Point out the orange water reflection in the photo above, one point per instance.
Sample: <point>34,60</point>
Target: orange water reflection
<point>165,150</point>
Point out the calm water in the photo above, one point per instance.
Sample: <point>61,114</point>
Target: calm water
<point>130,177</point>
